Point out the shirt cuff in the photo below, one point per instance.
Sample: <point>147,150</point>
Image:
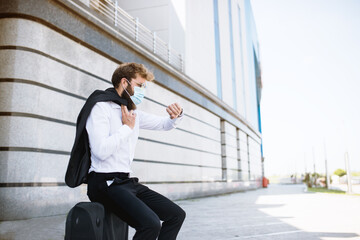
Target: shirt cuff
<point>178,119</point>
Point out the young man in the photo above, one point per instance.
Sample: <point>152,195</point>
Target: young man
<point>113,131</point>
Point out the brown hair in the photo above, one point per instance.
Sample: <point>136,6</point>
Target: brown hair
<point>129,71</point>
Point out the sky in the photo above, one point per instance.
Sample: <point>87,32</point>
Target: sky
<point>310,61</point>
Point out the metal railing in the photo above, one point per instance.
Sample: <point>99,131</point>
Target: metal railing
<point>131,27</point>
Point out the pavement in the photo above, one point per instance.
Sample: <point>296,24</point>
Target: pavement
<point>276,212</point>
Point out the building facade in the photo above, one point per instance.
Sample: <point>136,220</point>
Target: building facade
<point>55,53</point>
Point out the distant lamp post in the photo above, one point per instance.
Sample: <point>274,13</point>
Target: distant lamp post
<point>348,173</point>
<point>326,168</point>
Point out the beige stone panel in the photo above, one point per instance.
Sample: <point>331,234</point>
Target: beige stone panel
<point>159,152</point>
<point>35,133</point>
<point>166,172</point>
<point>31,34</point>
<point>31,66</point>
<point>32,167</point>
<point>40,101</point>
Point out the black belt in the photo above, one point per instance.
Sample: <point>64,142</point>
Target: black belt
<point>110,176</point>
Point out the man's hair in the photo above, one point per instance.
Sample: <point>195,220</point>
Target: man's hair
<point>129,71</point>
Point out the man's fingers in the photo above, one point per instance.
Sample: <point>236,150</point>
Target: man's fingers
<point>172,115</point>
<point>178,106</point>
<point>169,111</point>
<point>174,109</point>
<point>125,110</point>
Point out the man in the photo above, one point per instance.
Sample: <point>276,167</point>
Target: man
<point>113,131</point>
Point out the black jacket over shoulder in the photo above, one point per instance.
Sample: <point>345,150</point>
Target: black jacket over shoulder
<point>79,162</point>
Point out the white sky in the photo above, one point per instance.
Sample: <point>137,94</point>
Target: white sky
<point>310,63</point>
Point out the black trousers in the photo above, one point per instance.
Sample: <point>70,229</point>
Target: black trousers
<point>136,204</point>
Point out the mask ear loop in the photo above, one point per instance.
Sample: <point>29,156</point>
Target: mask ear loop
<point>127,91</point>
<point>125,88</point>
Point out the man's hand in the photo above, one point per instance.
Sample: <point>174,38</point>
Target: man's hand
<point>128,118</point>
<point>174,110</point>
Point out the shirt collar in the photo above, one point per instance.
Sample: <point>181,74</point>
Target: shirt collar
<point>114,105</point>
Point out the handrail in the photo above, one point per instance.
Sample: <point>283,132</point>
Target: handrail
<point>126,24</point>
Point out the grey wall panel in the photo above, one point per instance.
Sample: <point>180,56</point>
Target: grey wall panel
<point>34,35</point>
<point>33,99</point>
<point>244,158</point>
<point>231,151</point>
<point>255,160</point>
<point>231,163</point>
<point>35,133</point>
<point>232,174</point>
<point>32,167</point>
<point>197,119</point>
<point>167,97</point>
<point>184,139</point>
<point>187,190</point>
<point>27,202</point>
<point>153,151</point>
<point>245,165</point>
<point>32,67</point>
<point>189,123</point>
<point>230,140</point>
<point>149,172</point>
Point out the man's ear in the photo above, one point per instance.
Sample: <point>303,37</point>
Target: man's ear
<point>123,81</point>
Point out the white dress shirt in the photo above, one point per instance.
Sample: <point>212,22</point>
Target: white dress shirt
<point>112,144</point>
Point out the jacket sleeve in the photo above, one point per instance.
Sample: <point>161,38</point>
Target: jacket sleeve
<point>154,122</point>
<point>102,144</point>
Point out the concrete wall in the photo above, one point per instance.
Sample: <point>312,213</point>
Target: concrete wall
<point>251,50</point>
<point>53,56</point>
<point>189,28</point>
<point>200,43</point>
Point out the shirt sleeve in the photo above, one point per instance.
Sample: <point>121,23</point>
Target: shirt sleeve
<point>153,122</point>
<point>102,143</point>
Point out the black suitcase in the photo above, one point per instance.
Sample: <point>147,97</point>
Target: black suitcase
<point>91,221</point>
